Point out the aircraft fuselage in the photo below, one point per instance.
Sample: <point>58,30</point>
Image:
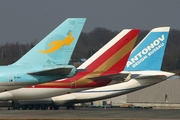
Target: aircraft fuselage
<point>12,77</point>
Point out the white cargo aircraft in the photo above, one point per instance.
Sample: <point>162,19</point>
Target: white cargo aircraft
<point>144,66</point>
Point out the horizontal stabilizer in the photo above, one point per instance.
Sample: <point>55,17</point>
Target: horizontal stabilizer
<point>55,71</point>
<point>121,77</point>
<point>81,70</point>
<point>163,77</point>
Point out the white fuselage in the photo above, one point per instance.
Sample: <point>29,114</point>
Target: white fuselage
<point>35,93</point>
<point>111,90</point>
<point>98,93</point>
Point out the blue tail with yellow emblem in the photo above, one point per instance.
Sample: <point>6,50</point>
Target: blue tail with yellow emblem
<point>57,47</point>
<point>149,53</point>
<point>47,61</point>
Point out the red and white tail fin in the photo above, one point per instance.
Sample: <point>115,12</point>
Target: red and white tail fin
<point>114,55</point>
<point>109,60</point>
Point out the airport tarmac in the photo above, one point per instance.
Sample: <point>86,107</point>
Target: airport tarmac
<point>93,113</point>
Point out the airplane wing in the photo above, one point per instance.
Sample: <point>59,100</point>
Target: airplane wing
<point>55,71</point>
<point>120,77</point>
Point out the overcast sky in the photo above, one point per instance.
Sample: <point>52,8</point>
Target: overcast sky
<point>26,20</point>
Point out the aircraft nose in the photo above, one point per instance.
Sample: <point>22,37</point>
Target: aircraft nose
<point>6,96</point>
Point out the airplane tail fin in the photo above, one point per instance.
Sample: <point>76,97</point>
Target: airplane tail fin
<point>113,56</point>
<point>57,47</point>
<point>149,53</point>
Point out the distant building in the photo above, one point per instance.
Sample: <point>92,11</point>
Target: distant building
<point>164,92</point>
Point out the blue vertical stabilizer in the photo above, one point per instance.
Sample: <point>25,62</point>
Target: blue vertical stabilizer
<point>149,53</point>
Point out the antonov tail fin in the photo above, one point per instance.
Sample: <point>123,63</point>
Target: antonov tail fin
<point>149,53</point>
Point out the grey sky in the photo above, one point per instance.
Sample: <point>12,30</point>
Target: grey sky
<point>26,20</point>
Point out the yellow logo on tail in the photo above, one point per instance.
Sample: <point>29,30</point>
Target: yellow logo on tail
<point>56,45</point>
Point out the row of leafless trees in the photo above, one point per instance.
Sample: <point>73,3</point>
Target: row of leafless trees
<point>10,52</point>
<point>90,42</point>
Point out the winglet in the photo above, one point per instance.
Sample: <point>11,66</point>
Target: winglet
<point>57,47</point>
<point>148,54</point>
